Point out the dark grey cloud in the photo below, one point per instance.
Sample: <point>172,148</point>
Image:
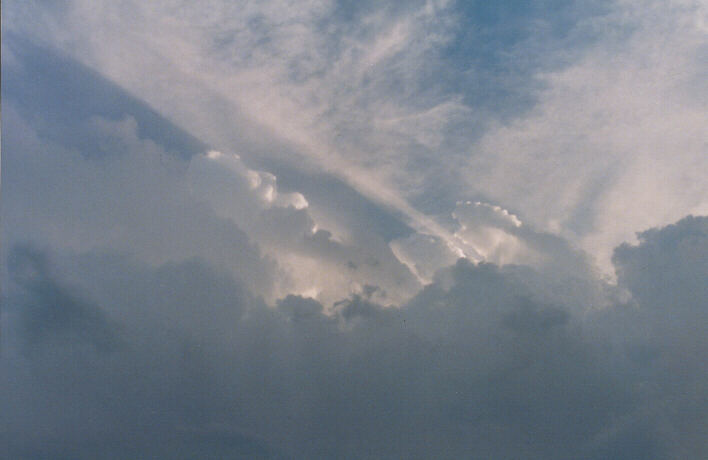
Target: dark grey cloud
<point>147,395</point>
<point>474,366</point>
<point>668,261</point>
<point>50,313</point>
<point>664,332</point>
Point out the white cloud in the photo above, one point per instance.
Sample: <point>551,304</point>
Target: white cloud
<point>617,141</point>
<point>321,117</point>
<point>316,262</point>
<point>622,118</point>
<point>578,165</point>
<point>489,230</point>
<point>231,188</point>
<point>424,254</point>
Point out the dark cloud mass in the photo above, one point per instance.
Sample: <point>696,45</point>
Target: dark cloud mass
<point>180,361</point>
<point>310,300</point>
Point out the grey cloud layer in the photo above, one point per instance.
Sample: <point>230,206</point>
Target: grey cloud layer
<point>180,359</point>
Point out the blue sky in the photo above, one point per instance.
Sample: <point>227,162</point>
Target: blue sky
<point>328,229</point>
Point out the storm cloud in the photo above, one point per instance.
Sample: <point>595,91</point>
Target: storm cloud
<point>340,230</point>
<point>181,359</point>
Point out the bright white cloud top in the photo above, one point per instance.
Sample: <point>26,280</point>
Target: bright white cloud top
<point>336,229</point>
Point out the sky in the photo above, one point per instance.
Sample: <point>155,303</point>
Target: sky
<point>338,229</point>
